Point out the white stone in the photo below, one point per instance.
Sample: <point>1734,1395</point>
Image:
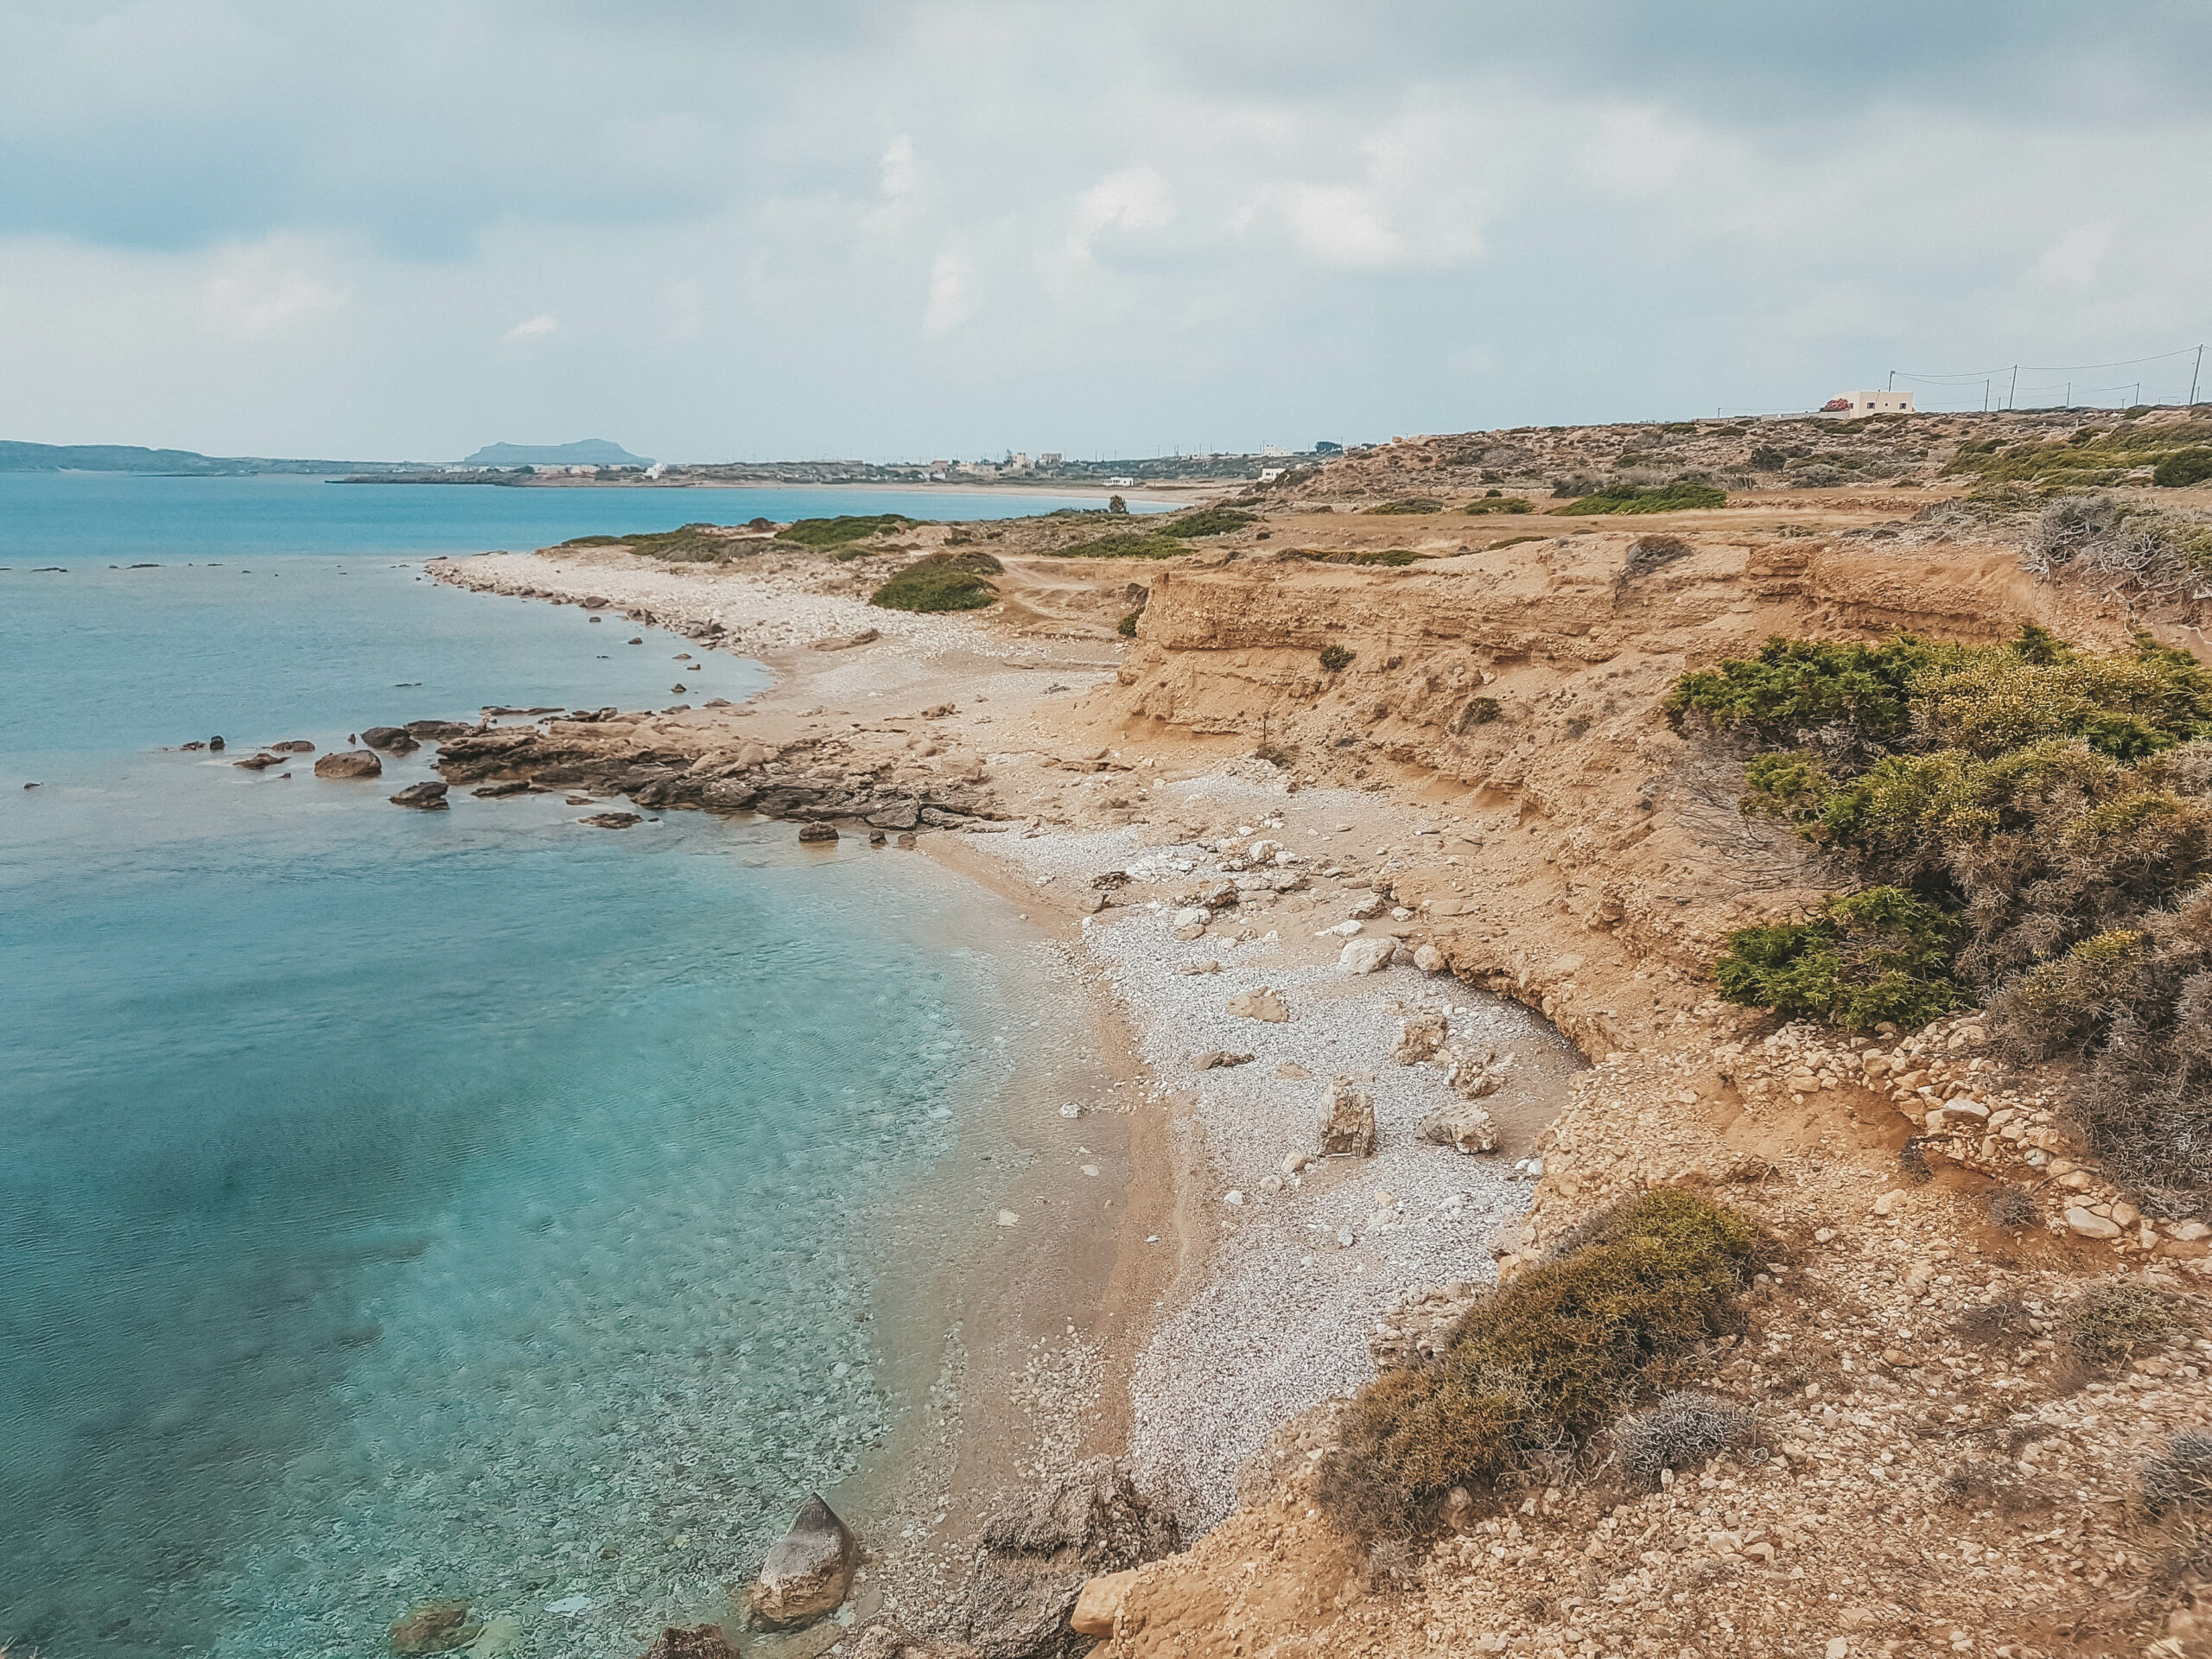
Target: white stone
<point>2090,1225</point>
<point>1366,956</point>
<point>1233,1200</point>
<point>1341,931</point>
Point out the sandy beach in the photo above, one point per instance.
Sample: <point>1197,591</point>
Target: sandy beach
<point>1155,1318</point>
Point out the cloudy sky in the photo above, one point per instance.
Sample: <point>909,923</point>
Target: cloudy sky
<point>819,228</point>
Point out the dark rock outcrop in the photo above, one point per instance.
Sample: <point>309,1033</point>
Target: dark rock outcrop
<point>428,796</point>
<point>437,731</point>
<point>612,820</point>
<point>349,763</point>
<point>260,762</point>
<point>817,832</point>
<point>294,745</point>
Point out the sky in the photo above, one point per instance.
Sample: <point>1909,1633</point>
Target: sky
<point>744,231</point>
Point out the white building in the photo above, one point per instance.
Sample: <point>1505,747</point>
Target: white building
<point>1870,403</point>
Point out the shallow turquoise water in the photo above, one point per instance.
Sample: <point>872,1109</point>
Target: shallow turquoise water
<point>395,1205</point>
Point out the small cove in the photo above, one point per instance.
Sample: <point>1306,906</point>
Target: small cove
<point>399,1206</point>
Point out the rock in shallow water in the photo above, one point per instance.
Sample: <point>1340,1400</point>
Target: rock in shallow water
<point>435,1627</point>
<point>807,1573</point>
<point>428,796</point>
<point>612,820</point>
<point>349,763</point>
<point>692,1642</point>
<point>817,832</point>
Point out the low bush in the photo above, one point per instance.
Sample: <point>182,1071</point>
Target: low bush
<point>1213,521</point>
<point>835,532</point>
<point>1498,501</point>
<point>1682,1430</point>
<point>2183,467</point>
<point>2014,1208</point>
<point>1417,504</point>
<point>942,582</point>
<point>1123,545</point>
<point>1478,711</point>
<point>1862,960</point>
<point>1127,627</point>
<point>699,544</point>
<point>1544,1363</point>
<point>1682,497</point>
<point>2088,456</point>
<point>2180,1477</point>
<point>1335,659</point>
<point>2108,1322</point>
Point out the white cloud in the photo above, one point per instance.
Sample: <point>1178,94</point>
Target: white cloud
<point>953,299</point>
<point>1135,199</point>
<point>537,328</point>
<point>255,293</point>
<point>2073,261</point>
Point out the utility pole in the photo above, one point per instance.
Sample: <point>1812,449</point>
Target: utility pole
<point>1985,397</point>
<point>1892,386</point>
<point>2015,387</point>
<point>2192,377</point>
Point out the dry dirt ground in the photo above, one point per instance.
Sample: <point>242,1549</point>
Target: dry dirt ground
<point>1927,1479</point>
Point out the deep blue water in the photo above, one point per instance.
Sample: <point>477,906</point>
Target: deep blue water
<point>398,1205</point>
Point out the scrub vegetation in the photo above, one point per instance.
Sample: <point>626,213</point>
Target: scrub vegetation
<point>942,582</point>
<point>2032,827</point>
<point>1537,1369</point>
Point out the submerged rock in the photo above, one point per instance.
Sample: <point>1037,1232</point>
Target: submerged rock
<point>692,1642</point>
<point>435,1627</point>
<point>260,762</point>
<point>612,820</point>
<point>807,1573</point>
<point>817,832</point>
<point>499,791</point>
<point>349,763</point>
<point>428,796</point>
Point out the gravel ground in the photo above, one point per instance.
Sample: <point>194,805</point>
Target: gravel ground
<point>1277,1317</point>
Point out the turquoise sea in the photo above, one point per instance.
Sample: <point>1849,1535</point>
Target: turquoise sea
<point>400,1205</point>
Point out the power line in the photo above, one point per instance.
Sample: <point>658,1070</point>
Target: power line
<point>2045,368</point>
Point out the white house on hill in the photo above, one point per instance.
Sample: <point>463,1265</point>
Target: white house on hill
<point>1870,403</point>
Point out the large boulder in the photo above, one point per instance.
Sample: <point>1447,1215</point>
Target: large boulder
<point>808,1572</point>
<point>349,763</point>
<point>428,796</point>
<point>692,1642</point>
<point>1021,1595</point>
<point>1367,955</point>
<point>392,740</point>
<point>1348,1127</point>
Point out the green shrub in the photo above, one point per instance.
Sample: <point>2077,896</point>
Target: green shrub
<point>941,581</point>
<point>1123,544</point>
<point>1335,659</point>
<point>2087,457</point>
<point>1415,504</point>
<point>1479,711</point>
<point>1864,958</point>
<point>1794,688</point>
<point>1544,1363</point>
<point>700,543</point>
<point>2183,467</point>
<point>1213,521</point>
<point>1127,627</point>
<point>835,532</point>
<point>1681,496</point>
<point>1495,502</point>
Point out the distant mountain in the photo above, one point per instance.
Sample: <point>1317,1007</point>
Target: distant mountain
<point>588,452</point>
<point>130,458</point>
